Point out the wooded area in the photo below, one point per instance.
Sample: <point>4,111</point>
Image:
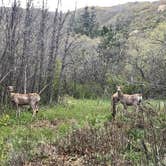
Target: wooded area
<point>81,53</point>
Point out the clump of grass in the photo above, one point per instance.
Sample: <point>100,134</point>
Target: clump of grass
<point>25,133</point>
<point>95,146</point>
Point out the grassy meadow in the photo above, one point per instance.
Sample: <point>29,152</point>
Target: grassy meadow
<point>82,132</point>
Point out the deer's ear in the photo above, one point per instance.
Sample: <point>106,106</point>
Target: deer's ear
<point>119,86</point>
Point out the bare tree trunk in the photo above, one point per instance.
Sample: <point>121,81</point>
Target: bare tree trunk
<point>8,57</point>
<point>54,48</point>
<point>51,55</point>
<point>66,52</point>
<point>40,50</point>
<point>42,53</point>
<point>67,47</point>
<point>10,19</point>
<point>25,79</point>
<point>26,45</point>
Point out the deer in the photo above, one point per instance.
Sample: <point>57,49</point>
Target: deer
<point>125,99</point>
<point>19,99</point>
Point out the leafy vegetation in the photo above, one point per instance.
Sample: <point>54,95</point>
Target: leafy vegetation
<point>84,132</point>
<point>24,134</point>
<point>129,49</point>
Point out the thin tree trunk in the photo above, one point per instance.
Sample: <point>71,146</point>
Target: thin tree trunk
<point>56,37</point>
<point>68,45</point>
<point>25,79</point>
<point>26,46</point>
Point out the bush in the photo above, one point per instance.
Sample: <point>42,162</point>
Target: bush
<point>4,120</point>
<point>97,146</point>
<point>90,90</point>
<point>113,81</point>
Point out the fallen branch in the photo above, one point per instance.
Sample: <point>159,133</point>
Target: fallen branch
<point>5,76</point>
<point>43,89</point>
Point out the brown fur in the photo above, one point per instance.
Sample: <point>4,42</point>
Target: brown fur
<point>19,99</point>
<point>125,99</point>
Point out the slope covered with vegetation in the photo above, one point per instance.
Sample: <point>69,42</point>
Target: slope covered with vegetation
<point>129,46</point>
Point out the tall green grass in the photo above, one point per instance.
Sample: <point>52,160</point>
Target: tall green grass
<point>23,135</point>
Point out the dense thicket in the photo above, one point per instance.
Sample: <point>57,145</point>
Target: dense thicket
<point>128,50</point>
<point>84,53</point>
<point>32,40</point>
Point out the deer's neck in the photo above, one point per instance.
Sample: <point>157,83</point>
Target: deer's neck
<point>120,94</point>
<point>12,94</point>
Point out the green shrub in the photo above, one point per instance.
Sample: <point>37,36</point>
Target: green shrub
<point>98,120</point>
<point>90,90</point>
<point>4,149</point>
<point>4,120</point>
<point>114,80</point>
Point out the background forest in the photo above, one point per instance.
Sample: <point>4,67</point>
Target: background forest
<point>84,53</point>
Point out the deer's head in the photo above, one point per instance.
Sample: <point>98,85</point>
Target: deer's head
<point>10,88</point>
<point>118,88</point>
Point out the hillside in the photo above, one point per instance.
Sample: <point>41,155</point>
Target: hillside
<point>134,36</point>
<point>140,15</point>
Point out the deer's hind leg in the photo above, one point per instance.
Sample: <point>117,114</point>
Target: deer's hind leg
<point>136,107</point>
<point>17,110</point>
<point>124,110</point>
<point>125,107</point>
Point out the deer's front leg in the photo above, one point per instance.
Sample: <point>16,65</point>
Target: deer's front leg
<point>37,106</point>
<point>17,109</point>
<point>19,112</point>
<point>136,107</point>
<point>113,110</point>
<point>33,108</point>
